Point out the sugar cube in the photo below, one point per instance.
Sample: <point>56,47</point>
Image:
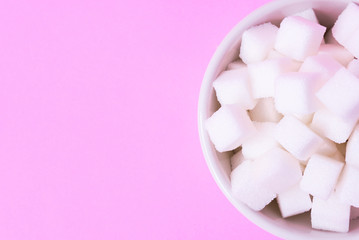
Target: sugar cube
<point>330,214</point>
<point>297,138</point>
<point>329,125</point>
<point>294,201</point>
<point>246,188</point>
<point>229,127</point>
<point>263,75</point>
<point>346,24</point>
<point>346,29</point>
<point>295,93</point>
<point>340,94</point>
<point>321,175</point>
<point>257,42</point>
<point>299,38</point>
<point>260,142</point>
<point>233,87</point>
<point>277,170</point>
<point>351,44</point>
<point>347,187</point>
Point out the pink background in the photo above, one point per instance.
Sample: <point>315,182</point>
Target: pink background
<point>98,120</point>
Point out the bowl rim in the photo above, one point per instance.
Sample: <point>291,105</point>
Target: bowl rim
<point>205,91</point>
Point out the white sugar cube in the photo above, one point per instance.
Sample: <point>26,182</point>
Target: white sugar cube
<point>347,188</point>
<point>352,150</point>
<point>237,159</point>
<point>351,44</point>
<point>263,75</point>
<point>257,42</point>
<point>238,64</point>
<point>229,127</point>
<point>264,111</point>
<point>340,94</point>
<point>246,188</point>
<point>329,125</point>
<point>260,142</point>
<point>297,138</point>
<point>294,201</point>
<point>277,170</point>
<point>323,64</point>
<point>337,52</point>
<point>295,93</point>
<point>354,213</point>
<point>353,67</point>
<point>330,215</point>
<point>233,87</point>
<point>346,24</point>
<point>321,175</point>
<point>346,29</point>
<point>308,14</point>
<point>299,38</point>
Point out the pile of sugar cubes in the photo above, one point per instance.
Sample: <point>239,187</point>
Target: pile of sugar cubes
<point>289,113</point>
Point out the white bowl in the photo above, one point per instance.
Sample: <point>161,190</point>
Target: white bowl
<point>269,219</point>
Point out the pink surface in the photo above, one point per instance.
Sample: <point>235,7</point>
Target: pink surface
<point>98,120</point>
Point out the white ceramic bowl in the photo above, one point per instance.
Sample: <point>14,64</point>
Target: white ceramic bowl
<point>298,227</point>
